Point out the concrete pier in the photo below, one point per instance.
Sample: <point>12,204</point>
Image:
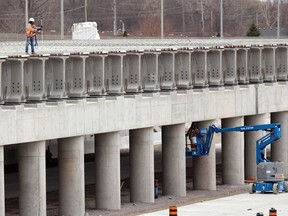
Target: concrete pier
<point>204,167</point>
<point>279,148</point>
<point>174,161</point>
<point>232,153</point>
<point>107,176</point>
<point>32,179</point>
<point>71,176</point>
<point>250,138</point>
<point>141,165</point>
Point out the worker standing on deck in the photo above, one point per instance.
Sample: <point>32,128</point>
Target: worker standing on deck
<point>31,30</point>
<point>191,133</point>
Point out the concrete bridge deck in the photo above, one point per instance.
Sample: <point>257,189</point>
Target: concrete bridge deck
<point>75,88</point>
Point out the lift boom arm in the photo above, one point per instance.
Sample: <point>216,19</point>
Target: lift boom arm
<point>205,136</point>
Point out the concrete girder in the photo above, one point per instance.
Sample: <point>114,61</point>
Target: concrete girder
<point>242,66</point>
<point>281,63</point>
<point>268,64</point>
<point>166,70</point>
<point>214,67</point>
<point>229,66</point>
<point>199,68</point>
<point>183,76</point>
<point>149,72</point>
<point>254,65</point>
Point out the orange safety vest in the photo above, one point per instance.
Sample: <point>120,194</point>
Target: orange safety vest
<point>29,33</point>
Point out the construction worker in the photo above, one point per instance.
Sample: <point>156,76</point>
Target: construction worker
<point>31,30</point>
<point>191,133</point>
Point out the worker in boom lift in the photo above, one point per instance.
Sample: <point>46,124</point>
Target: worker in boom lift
<point>191,133</point>
<point>31,30</point>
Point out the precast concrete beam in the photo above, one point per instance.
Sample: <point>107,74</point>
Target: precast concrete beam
<point>114,73</point>
<point>242,66</point>
<point>95,74</point>
<point>173,160</point>
<point>250,138</point>
<point>254,65</point>
<point>149,71</point>
<point>34,79</point>
<point>268,64</point>
<point>281,63</point>
<point>279,149</point>
<point>1,83</point>
<point>232,153</point>
<point>56,84</point>
<point>32,179</point>
<point>214,67</point>
<point>183,74</point>
<point>166,70</point>
<point>107,174</point>
<point>13,80</point>
<point>71,176</point>
<point>141,147</point>
<point>75,76</point>
<point>229,66</point>
<point>199,68</point>
<point>204,167</point>
<point>2,185</point>
<point>132,72</point>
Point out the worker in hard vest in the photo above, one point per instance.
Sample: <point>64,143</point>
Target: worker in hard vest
<point>31,30</point>
<point>191,133</point>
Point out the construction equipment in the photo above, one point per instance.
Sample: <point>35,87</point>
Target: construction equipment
<point>270,175</point>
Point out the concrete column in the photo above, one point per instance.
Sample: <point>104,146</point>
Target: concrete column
<point>32,179</point>
<point>204,167</point>
<point>279,148</point>
<point>71,176</point>
<point>141,165</point>
<point>250,138</point>
<point>174,160</point>
<point>232,153</point>
<point>107,178</point>
<point>2,186</point>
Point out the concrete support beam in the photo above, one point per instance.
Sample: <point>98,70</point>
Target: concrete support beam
<point>279,148</point>
<point>149,71</point>
<point>13,80</point>
<point>268,64</point>
<point>34,79</point>
<point>114,74</point>
<point>75,76</point>
<point>174,160</point>
<point>107,175</point>
<point>71,176</point>
<point>2,96</point>
<point>254,64</point>
<point>183,76</point>
<point>2,185</point>
<point>141,165</point>
<point>56,77</point>
<point>250,138</point>
<point>166,69</point>
<point>214,67</point>
<point>281,63</point>
<point>32,179</point>
<point>132,72</point>
<point>95,74</point>
<point>242,66</point>
<point>204,167</point>
<point>232,153</point>
<point>199,68</point>
<point>229,66</point>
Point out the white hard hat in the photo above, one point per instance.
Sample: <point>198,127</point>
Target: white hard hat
<point>31,20</point>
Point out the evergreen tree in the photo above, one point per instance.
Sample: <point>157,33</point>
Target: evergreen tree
<point>253,31</point>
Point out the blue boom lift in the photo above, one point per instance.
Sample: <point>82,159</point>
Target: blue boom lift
<point>270,175</point>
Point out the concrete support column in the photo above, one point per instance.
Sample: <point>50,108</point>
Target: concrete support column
<point>71,176</point>
<point>250,138</point>
<point>279,148</point>
<point>204,167</point>
<point>2,186</point>
<point>107,175</point>
<point>32,179</point>
<point>141,165</point>
<point>232,153</point>
<point>174,160</point>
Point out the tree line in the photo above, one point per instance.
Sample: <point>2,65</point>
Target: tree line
<point>142,18</point>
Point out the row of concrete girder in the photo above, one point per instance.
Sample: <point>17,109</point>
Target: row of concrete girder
<point>42,77</point>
